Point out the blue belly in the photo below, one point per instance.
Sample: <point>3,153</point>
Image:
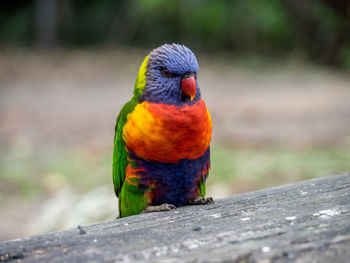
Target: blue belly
<point>172,183</point>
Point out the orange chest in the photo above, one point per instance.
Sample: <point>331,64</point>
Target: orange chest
<point>167,133</point>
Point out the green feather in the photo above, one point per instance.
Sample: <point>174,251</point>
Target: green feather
<point>202,190</point>
<point>120,160</point>
<point>141,79</point>
<point>120,154</point>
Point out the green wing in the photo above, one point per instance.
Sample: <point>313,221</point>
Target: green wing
<point>120,154</point>
<point>205,174</point>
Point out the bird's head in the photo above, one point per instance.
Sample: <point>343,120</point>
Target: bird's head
<point>168,75</point>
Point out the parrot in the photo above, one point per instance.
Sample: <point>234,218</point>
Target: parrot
<point>161,156</point>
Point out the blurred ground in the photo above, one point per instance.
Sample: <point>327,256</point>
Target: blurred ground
<point>275,122</point>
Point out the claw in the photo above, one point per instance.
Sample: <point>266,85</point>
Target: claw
<point>199,200</point>
<point>159,208</point>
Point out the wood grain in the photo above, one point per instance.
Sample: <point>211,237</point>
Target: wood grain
<point>303,222</point>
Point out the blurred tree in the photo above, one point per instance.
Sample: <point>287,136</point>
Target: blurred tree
<point>319,28</point>
<point>88,22</point>
<point>322,28</point>
<point>46,18</point>
<point>15,22</point>
<point>124,23</point>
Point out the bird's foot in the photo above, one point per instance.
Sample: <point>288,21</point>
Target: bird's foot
<point>199,200</point>
<point>159,208</point>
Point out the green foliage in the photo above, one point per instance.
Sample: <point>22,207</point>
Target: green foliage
<point>16,27</point>
<point>267,27</point>
<point>210,21</point>
<point>243,25</point>
<point>89,22</point>
<point>345,57</point>
<point>261,25</point>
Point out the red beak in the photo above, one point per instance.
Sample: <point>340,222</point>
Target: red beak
<point>188,86</point>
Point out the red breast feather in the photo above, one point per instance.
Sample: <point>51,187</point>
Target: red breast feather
<point>167,133</point>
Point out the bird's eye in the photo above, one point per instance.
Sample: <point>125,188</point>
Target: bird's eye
<point>166,73</point>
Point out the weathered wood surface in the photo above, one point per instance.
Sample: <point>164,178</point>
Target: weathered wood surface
<point>303,222</point>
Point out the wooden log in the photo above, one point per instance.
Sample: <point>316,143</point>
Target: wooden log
<point>303,222</point>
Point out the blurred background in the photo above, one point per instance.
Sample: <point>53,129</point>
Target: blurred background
<point>274,74</point>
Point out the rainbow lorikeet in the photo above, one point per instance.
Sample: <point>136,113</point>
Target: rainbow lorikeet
<point>161,153</point>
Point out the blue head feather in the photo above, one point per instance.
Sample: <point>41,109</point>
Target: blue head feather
<point>178,60</point>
